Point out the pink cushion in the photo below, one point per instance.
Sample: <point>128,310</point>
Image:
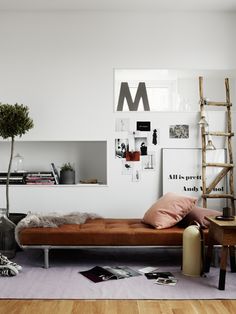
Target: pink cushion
<point>198,214</point>
<point>169,210</point>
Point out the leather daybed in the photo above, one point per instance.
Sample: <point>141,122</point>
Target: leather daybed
<point>100,233</point>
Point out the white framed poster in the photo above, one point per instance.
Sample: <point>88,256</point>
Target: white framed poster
<point>182,173</point>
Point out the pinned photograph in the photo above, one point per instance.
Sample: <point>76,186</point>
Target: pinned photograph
<point>149,162</point>
<point>144,126</point>
<point>122,125</point>
<point>121,147</point>
<point>133,156</point>
<point>141,145</point>
<point>179,131</point>
<point>127,167</point>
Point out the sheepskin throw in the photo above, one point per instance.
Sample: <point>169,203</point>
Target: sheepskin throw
<point>52,220</point>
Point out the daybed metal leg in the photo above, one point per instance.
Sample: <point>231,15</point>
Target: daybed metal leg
<point>46,258</point>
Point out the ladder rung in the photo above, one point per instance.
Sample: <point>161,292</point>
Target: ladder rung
<point>219,133</point>
<point>218,196</point>
<point>217,164</point>
<point>215,103</point>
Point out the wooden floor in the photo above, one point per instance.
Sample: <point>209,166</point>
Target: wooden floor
<point>117,307</point>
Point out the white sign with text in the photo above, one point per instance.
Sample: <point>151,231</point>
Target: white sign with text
<point>182,173</point>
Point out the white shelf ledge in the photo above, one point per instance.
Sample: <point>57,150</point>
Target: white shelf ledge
<point>54,185</point>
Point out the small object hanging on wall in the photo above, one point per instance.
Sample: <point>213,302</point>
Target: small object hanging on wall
<point>127,167</point>
<point>136,175</point>
<point>144,126</point>
<point>154,137</point>
<point>179,131</point>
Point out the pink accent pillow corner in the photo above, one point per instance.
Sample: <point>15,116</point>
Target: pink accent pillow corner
<point>169,210</point>
<point>198,214</point>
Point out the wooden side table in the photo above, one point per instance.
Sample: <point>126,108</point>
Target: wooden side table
<point>224,233</point>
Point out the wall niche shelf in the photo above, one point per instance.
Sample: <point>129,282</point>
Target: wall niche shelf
<point>89,159</point>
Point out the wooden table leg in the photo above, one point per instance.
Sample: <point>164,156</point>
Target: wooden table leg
<point>208,257</point>
<point>232,259</point>
<point>223,263</point>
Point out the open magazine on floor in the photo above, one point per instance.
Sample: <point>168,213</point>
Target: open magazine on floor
<point>104,273</point>
<point>98,274</point>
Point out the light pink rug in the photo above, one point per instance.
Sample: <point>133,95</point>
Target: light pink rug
<point>62,280</point>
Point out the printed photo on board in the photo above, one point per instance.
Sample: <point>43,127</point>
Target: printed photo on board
<point>179,131</point>
<point>121,147</point>
<point>133,156</point>
<point>144,126</point>
<point>141,145</point>
<point>122,125</point>
<point>149,162</point>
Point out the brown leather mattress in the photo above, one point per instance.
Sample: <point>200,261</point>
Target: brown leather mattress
<point>104,232</point>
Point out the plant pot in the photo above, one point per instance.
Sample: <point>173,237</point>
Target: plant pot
<point>67,177</point>
<point>7,235</point>
<point>15,218</point>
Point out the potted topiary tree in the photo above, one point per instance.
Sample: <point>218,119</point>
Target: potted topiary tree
<point>14,121</point>
<point>67,174</point>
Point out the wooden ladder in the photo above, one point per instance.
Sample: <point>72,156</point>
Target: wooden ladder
<point>227,168</point>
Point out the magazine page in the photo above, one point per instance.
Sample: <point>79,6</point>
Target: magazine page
<point>98,274</point>
<point>166,281</point>
<point>155,275</point>
<point>122,271</point>
<point>148,269</point>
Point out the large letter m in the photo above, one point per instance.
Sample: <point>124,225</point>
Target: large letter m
<point>133,105</point>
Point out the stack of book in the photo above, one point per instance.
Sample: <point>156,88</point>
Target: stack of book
<point>15,178</point>
<point>39,178</point>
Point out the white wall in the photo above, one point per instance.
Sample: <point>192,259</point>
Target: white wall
<point>61,66</point>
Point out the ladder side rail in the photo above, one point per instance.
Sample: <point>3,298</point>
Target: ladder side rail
<point>202,103</point>
<point>229,141</point>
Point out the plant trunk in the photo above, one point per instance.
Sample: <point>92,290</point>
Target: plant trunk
<point>8,175</point>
